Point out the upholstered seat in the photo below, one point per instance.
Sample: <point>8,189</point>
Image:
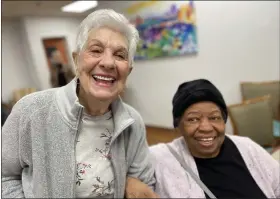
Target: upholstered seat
<point>251,90</point>
<point>253,118</point>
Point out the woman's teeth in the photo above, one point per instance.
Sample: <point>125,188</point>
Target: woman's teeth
<point>206,139</point>
<point>97,77</point>
<point>206,142</point>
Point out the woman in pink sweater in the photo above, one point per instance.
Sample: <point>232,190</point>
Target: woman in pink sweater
<point>205,162</point>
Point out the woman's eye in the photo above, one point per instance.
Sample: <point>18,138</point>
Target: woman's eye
<point>193,119</point>
<point>120,56</point>
<point>215,118</point>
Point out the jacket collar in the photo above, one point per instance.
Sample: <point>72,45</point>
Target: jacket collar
<point>71,109</point>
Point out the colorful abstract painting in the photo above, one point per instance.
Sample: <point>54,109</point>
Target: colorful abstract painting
<point>166,29</point>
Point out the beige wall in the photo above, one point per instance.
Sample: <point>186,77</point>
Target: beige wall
<point>237,40</point>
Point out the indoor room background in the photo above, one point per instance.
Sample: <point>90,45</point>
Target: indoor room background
<point>237,41</point>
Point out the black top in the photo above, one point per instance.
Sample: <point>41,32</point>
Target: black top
<point>226,175</point>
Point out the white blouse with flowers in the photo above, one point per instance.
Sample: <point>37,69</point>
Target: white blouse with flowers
<point>95,176</point>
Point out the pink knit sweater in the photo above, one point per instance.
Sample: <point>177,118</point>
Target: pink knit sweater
<point>174,182</point>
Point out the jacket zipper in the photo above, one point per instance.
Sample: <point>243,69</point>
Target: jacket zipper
<point>116,179</point>
<point>116,193</point>
<point>75,142</point>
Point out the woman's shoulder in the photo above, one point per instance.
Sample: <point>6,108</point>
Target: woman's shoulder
<point>243,141</point>
<point>131,110</point>
<point>133,113</point>
<point>249,147</point>
<point>35,100</point>
<point>161,149</point>
<point>237,138</point>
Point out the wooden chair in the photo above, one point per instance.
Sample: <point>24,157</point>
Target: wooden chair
<point>253,118</point>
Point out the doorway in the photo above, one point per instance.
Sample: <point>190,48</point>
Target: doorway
<point>59,63</point>
<point>52,44</point>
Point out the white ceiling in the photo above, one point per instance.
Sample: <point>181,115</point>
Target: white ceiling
<point>12,8</point>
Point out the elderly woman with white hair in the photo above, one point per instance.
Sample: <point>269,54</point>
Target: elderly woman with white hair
<point>80,140</point>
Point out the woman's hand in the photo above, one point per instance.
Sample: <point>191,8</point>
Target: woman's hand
<point>137,189</point>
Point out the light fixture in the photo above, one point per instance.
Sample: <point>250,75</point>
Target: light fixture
<point>79,6</point>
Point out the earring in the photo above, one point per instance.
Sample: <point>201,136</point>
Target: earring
<point>77,71</point>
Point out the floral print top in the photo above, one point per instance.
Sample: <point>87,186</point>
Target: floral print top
<point>95,176</point>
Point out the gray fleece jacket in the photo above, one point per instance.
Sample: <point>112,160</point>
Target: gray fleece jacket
<point>38,146</point>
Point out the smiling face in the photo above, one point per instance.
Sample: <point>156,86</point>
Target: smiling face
<point>102,65</point>
<point>203,128</point>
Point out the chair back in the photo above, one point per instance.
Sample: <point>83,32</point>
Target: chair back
<point>253,118</point>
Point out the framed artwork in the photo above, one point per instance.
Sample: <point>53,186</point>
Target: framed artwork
<point>166,28</point>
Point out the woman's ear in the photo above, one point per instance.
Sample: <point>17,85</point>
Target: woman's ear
<point>180,127</point>
<point>75,60</point>
<point>177,130</point>
<point>130,69</point>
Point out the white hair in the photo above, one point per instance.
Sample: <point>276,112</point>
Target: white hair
<point>111,19</point>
